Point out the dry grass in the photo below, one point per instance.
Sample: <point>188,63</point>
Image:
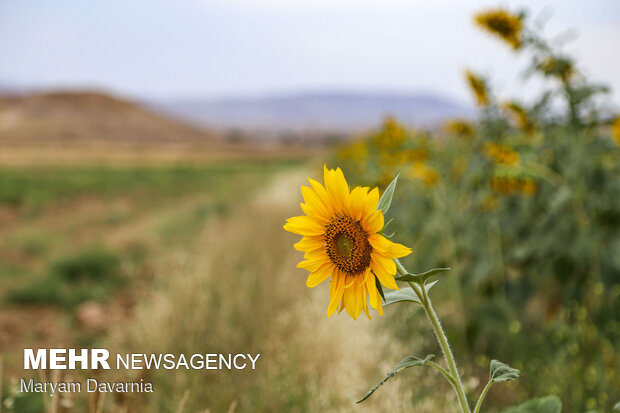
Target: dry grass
<point>237,290</point>
<point>20,154</point>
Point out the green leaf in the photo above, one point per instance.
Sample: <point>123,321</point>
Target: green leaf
<point>409,361</point>
<point>502,372</point>
<point>386,198</point>
<point>382,230</point>
<point>549,404</point>
<point>420,277</point>
<point>379,287</point>
<point>405,294</point>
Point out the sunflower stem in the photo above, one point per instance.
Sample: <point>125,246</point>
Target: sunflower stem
<point>399,267</point>
<point>443,343</point>
<point>484,393</point>
<point>442,371</point>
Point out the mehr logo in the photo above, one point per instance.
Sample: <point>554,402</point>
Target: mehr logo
<point>62,359</point>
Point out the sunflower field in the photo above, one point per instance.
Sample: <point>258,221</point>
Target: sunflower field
<point>523,202</point>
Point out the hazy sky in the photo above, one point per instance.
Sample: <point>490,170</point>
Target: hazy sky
<point>157,48</point>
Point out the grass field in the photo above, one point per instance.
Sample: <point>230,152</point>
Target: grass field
<point>78,233</point>
<point>177,259</point>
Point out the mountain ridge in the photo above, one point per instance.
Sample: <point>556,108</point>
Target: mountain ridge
<point>320,110</point>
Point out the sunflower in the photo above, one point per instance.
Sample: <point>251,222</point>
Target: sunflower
<point>479,88</point>
<point>502,155</point>
<point>520,116</point>
<point>341,240</point>
<point>355,151</point>
<point>428,175</point>
<point>391,135</point>
<point>460,127</point>
<point>508,185</point>
<point>616,130</point>
<point>561,68</point>
<point>502,23</point>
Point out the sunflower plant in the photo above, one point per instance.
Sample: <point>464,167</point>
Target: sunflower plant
<point>344,240</point>
<point>523,204</point>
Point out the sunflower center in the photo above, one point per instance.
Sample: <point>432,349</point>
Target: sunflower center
<point>347,245</point>
<point>344,245</point>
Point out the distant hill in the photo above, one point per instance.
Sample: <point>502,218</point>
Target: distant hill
<point>314,111</point>
<point>83,117</point>
<point>86,128</point>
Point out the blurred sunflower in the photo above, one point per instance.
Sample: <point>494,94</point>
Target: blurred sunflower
<point>341,241</point>
<point>478,87</point>
<point>427,174</point>
<point>501,154</point>
<point>502,23</point>
<point>558,67</point>
<point>507,185</point>
<point>521,117</point>
<point>615,130</point>
<point>391,134</point>
<point>460,127</point>
<point>356,151</point>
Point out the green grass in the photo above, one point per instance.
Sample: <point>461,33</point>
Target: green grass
<point>39,186</point>
<point>80,233</point>
<point>90,274</point>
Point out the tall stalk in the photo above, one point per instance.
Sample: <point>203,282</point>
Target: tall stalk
<point>443,343</point>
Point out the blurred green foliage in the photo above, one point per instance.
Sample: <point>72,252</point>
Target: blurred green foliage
<point>89,274</point>
<point>59,220</point>
<point>34,188</point>
<point>523,203</point>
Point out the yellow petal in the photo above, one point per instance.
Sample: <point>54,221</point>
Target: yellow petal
<point>373,294</point>
<point>333,284</point>
<point>316,215</point>
<point>349,280</point>
<point>343,190</point>
<point>318,254</point>
<point>378,243</point>
<point>320,275</point>
<point>314,202</point>
<point>323,196</point>
<point>312,265</point>
<point>349,301</point>
<point>387,263</point>
<point>364,276</point>
<point>360,297</point>
<point>337,188</point>
<point>304,226</point>
<point>310,243</point>
<point>384,277</point>
<point>365,301</point>
<point>373,222</point>
<point>372,290</point>
<point>336,291</point>
<point>358,196</point>
<point>397,250</point>
<point>380,301</point>
<point>387,247</point>
<point>366,307</point>
<point>371,202</point>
